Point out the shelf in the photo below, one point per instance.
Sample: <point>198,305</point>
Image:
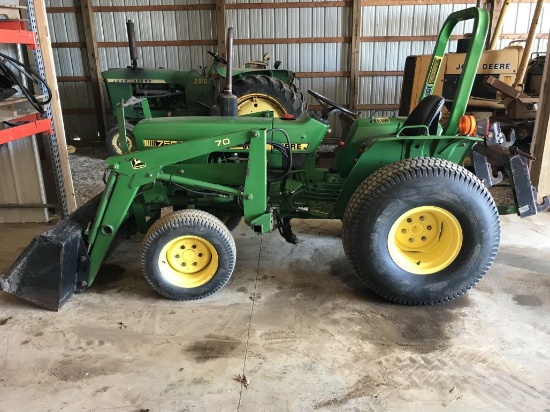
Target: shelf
<point>11,12</point>
<point>35,124</point>
<point>15,107</point>
<point>13,32</point>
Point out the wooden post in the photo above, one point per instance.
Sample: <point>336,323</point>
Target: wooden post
<point>55,104</point>
<point>498,14</point>
<point>220,23</point>
<point>354,55</point>
<point>522,69</point>
<point>93,64</point>
<point>540,168</point>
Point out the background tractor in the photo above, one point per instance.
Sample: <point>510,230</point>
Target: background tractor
<point>506,87</point>
<point>417,227</point>
<point>195,93</point>
<point>493,93</point>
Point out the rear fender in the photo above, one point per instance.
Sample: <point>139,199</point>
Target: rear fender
<point>379,152</point>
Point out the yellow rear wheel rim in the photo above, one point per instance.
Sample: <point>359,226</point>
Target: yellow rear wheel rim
<point>425,240</point>
<point>259,102</point>
<point>188,261</point>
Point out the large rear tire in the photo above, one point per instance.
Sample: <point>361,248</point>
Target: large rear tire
<point>260,93</point>
<point>188,255</point>
<point>421,231</point>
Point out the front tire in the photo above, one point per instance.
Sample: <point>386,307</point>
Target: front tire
<point>188,255</point>
<point>261,93</point>
<point>421,231</point>
<point>230,221</point>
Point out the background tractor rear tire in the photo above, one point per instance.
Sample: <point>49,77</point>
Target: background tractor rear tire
<point>260,92</point>
<point>421,231</point>
<point>112,140</point>
<point>187,255</point>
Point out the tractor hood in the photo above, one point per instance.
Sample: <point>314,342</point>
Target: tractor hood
<point>162,131</point>
<point>305,133</point>
<point>157,76</point>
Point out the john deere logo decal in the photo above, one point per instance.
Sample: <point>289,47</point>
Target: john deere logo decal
<point>137,164</point>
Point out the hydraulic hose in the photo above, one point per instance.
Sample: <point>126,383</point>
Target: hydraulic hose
<point>30,74</point>
<point>285,151</point>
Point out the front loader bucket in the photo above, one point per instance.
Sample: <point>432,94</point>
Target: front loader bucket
<point>55,264</point>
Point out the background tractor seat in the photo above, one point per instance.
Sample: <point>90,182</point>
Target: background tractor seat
<point>427,113</point>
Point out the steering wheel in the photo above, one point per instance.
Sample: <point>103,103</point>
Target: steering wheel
<point>217,57</point>
<point>329,106</point>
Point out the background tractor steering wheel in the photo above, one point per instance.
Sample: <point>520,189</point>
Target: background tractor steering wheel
<point>329,106</point>
<point>217,57</point>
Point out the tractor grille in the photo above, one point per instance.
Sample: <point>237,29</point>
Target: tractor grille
<point>408,83</point>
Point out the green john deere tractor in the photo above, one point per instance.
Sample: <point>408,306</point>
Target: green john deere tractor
<point>418,227</point>
<point>195,93</point>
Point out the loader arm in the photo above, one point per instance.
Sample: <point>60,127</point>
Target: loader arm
<point>130,172</point>
<point>67,258</point>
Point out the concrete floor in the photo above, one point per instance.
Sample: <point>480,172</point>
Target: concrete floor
<point>296,322</point>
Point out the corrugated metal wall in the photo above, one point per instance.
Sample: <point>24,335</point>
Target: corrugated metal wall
<point>158,26</point>
<point>268,22</point>
<point>417,20</point>
<point>518,20</point>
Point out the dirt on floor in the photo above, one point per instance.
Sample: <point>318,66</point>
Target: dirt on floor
<point>87,168</point>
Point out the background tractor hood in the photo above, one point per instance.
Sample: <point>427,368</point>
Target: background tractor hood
<point>159,76</point>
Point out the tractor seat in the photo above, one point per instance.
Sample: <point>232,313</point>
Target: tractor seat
<point>427,113</point>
